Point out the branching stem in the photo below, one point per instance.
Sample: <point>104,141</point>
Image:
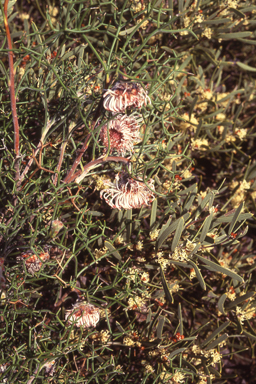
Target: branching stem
<point>12,90</point>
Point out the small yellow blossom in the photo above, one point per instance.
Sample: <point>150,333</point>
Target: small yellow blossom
<point>119,240</point>
<point>104,336</point>
<point>241,133</point>
<point>141,259</point>
<point>188,123</point>
<point>245,185</point>
<point>144,24</point>
<point>24,16</point>
<point>186,174</point>
<point>207,94</point>
<point>149,368</point>
<point>178,377</point>
<point>203,194</point>
<point>139,245</point>
<point>179,254</point>
<point>220,97</point>
<point>220,116</point>
<point>199,18</point>
<point>154,234</point>
<point>145,277</point>
<point>128,341</point>
<point>189,246</point>
<point>163,262</point>
<point>137,6</point>
<point>196,349</point>
<point>250,260</point>
<point>247,314</point>
<point>207,33</point>
<point>232,3</point>
<point>132,274</point>
<point>100,252</point>
<point>186,21</point>
<point>174,287</point>
<point>231,294</point>
<point>183,33</point>
<point>229,138</point>
<point>192,274</point>
<point>199,144</point>
<point>135,303</point>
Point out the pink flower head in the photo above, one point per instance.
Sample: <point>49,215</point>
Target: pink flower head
<point>123,134</point>
<point>32,261</point>
<point>127,193</point>
<point>84,314</point>
<point>124,95</point>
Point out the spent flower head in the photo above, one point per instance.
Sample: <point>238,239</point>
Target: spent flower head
<point>33,262</point>
<point>84,314</point>
<point>120,134</point>
<point>123,95</point>
<point>127,193</point>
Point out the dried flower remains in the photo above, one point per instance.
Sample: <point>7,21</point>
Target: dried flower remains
<point>124,95</point>
<point>121,134</point>
<point>84,314</point>
<point>127,193</point>
<point>32,261</point>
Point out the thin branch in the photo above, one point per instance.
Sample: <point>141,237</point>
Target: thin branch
<point>70,174</point>
<point>101,160</point>
<point>39,147</point>
<point>12,91</point>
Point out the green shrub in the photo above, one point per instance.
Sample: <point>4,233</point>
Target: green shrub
<point>170,281</point>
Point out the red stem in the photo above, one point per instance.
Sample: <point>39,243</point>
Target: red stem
<point>12,89</point>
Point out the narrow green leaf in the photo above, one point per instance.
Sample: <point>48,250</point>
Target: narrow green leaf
<point>128,225</point>
<point>249,335</point>
<point>228,218</point>
<point>120,328</point>
<point>214,372</point>
<point>206,226</point>
<point>198,274</point>
<point>203,203</point>
<point>180,264</point>
<point>113,251</point>
<point>221,302</point>
<point>160,326</point>
<point>216,342</point>
<point>153,213</point>
<point>240,300</point>
<point>246,67</point>
<point>180,319</point>
<point>190,366</point>
<point>166,233</point>
<point>128,31</point>
<point>235,218</point>
<point>178,233</point>
<point>235,35</point>
<point>219,269</point>
<point>149,316</point>
<point>165,287</point>
<point>190,199</point>
<point>215,333</point>
<point>176,352</point>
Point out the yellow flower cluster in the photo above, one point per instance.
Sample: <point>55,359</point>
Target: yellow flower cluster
<point>135,302</point>
<point>240,193</point>
<point>188,123</point>
<point>199,144</point>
